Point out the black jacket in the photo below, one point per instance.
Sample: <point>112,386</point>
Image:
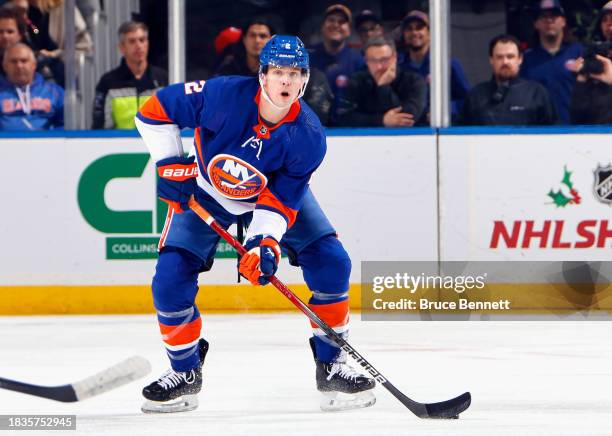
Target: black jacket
<point>234,66</point>
<point>591,103</point>
<point>519,102</point>
<point>120,84</point>
<point>365,103</point>
<point>319,95</point>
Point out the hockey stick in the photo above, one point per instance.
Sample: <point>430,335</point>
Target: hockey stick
<point>111,378</point>
<point>442,410</point>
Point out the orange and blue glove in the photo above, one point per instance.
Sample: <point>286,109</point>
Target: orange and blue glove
<point>177,181</point>
<point>261,260</point>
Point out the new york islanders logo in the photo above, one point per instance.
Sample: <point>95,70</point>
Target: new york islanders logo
<point>234,178</point>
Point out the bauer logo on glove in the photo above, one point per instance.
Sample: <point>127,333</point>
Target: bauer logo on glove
<point>261,260</point>
<point>176,182</point>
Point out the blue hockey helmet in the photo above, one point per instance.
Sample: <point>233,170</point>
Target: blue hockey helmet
<point>284,51</point>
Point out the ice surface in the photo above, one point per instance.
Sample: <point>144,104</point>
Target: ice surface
<point>527,378</point>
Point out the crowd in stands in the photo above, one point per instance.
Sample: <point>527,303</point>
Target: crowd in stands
<point>380,79</point>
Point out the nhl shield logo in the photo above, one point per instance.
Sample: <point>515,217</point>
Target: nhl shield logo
<point>603,184</point>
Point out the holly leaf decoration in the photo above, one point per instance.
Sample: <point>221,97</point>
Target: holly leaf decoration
<point>566,178</point>
<point>558,198</point>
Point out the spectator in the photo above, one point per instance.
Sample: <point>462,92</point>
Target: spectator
<point>37,25</point>
<point>368,25</point>
<point>36,35</point>
<point>55,11</point>
<point>244,60</point>
<point>415,39</point>
<point>550,61</point>
<point>121,92</point>
<point>507,99</point>
<point>591,101</point>
<point>384,94</point>
<point>11,29</point>
<point>27,101</point>
<point>333,56</point>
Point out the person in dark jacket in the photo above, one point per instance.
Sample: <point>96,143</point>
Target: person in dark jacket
<point>121,92</point>
<point>507,99</point>
<point>319,96</point>
<point>384,94</point>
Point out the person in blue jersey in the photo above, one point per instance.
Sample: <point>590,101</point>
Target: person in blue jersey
<point>256,145</point>
<point>551,61</point>
<point>27,102</point>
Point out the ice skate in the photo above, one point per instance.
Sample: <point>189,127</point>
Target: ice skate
<point>175,391</point>
<point>343,387</point>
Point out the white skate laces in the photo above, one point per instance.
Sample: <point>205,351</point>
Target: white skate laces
<point>171,378</point>
<point>343,370</point>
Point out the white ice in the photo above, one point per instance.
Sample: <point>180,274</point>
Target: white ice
<point>527,378</point>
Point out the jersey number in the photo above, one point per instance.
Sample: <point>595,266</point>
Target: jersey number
<point>192,87</point>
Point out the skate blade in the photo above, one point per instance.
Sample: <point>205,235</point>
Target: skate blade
<point>338,401</point>
<point>181,404</point>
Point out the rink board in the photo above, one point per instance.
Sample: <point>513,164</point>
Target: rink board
<point>83,239</point>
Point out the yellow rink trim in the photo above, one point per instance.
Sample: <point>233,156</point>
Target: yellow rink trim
<point>89,300</point>
<point>76,300</point>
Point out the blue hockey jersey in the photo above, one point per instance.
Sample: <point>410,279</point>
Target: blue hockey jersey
<point>45,101</point>
<point>244,164</point>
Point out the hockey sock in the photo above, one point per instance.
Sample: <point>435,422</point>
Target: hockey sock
<point>175,286</point>
<point>180,333</point>
<point>336,315</point>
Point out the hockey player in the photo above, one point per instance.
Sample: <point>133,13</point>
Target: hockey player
<point>256,146</point>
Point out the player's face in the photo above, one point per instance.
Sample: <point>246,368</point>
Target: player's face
<point>606,26</point>
<point>134,46</point>
<point>283,85</point>
<point>550,24</point>
<point>9,34</point>
<point>19,65</point>
<point>379,59</point>
<point>336,28</point>
<point>505,61</point>
<point>255,39</point>
<point>416,35</point>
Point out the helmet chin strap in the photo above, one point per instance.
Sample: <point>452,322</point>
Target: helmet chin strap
<point>269,100</point>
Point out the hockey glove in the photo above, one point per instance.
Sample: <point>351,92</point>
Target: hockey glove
<point>177,181</point>
<point>261,260</point>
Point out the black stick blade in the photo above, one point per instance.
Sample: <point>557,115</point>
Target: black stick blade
<point>448,409</point>
<point>64,393</point>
